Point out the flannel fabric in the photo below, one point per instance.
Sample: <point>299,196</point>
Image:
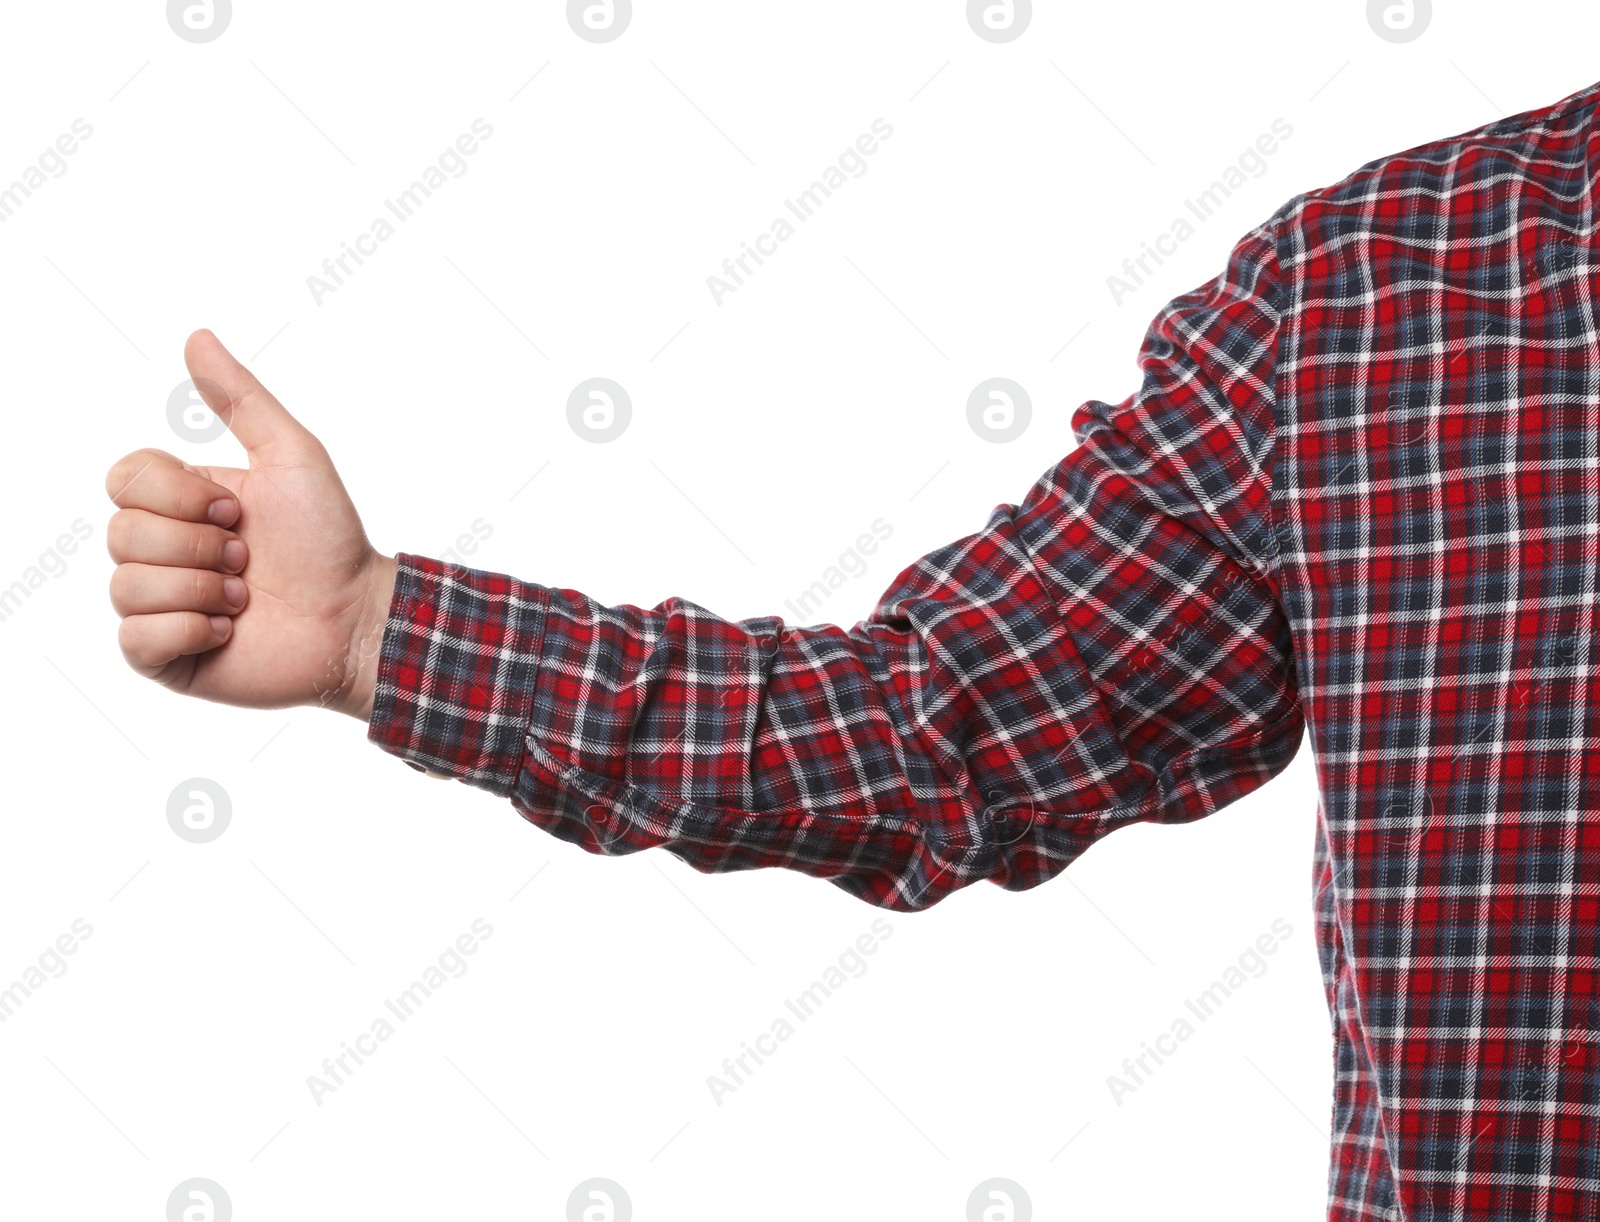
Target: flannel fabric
<point>1357,491</point>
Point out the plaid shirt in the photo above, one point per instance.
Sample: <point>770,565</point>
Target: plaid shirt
<point>1357,490</point>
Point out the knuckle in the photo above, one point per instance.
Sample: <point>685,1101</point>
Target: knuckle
<point>118,478</point>
<point>192,500</point>
<point>129,634</point>
<point>120,531</point>
<point>204,588</point>
<point>197,630</point>
<point>120,586</point>
<point>129,468</point>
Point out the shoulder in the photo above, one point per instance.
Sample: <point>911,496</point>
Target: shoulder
<point>1451,188</point>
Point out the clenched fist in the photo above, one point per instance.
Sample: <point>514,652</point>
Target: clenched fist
<point>253,587</point>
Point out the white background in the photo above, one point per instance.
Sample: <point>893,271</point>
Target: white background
<point>768,432</point>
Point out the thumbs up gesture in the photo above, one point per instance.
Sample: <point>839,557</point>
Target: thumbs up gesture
<point>251,586</point>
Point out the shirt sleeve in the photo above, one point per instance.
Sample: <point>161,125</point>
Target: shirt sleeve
<point>1109,651</point>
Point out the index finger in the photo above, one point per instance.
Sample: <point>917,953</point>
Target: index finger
<point>163,483</point>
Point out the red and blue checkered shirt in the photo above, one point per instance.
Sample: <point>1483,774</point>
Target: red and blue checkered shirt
<point>1357,490</point>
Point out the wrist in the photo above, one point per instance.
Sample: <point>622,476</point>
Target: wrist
<point>360,684</point>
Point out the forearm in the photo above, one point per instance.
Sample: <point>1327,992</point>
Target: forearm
<point>991,718</point>
<point>737,745</point>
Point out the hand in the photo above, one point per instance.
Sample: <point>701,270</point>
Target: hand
<point>252,587</point>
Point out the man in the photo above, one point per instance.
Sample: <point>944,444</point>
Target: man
<point>1358,489</point>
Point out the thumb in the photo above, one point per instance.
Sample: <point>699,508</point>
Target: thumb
<point>263,425</point>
